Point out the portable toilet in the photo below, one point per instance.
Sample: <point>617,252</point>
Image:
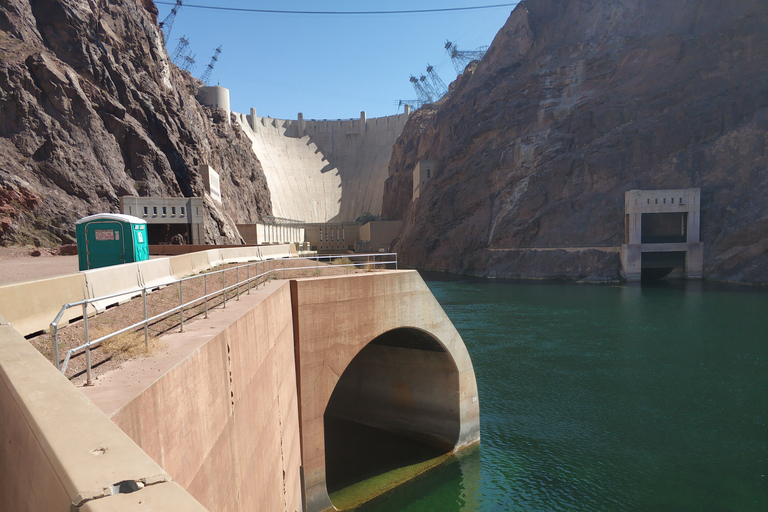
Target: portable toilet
<point>108,239</point>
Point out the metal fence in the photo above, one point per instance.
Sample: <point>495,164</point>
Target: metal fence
<point>371,262</point>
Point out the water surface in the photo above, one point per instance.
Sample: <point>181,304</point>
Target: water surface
<point>609,398</point>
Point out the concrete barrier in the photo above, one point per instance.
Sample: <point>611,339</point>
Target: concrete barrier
<point>60,452</point>
<point>214,257</point>
<point>111,280</point>
<point>155,273</point>
<point>241,254</point>
<point>31,307</point>
<point>271,252</point>
<point>182,265</point>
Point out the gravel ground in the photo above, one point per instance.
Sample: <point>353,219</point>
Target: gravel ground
<point>131,345</point>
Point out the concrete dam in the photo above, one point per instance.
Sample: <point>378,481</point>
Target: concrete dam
<point>324,171</point>
<point>246,411</point>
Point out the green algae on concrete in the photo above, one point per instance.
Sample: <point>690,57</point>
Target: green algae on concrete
<point>362,492</point>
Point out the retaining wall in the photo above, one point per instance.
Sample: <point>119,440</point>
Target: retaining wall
<point>224,422</point>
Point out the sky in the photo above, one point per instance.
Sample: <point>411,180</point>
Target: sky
<point>327,66</point>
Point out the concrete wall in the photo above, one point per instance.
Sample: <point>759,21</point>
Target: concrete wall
<point>236,419</point>
<point>334,318</point>
<point>223,422</point>
<point>324,171</point>
<point>59,452</point>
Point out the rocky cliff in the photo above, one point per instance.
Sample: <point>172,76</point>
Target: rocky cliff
<point>576,102</point>
<point>93,109</point>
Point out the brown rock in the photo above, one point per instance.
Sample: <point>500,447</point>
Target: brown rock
<point>93,110</point>
<point>575,103</point>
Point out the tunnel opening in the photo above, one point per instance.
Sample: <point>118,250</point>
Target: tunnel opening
<point>658,265</point>
<point>164,234</point>
<point>395,407</point>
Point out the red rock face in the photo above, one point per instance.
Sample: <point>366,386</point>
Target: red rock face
<point>576,102</point>
<point>92,110</point>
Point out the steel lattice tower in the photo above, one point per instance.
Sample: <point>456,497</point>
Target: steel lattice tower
<point>167,24</point>
<point>421,94</point>
<point>180,49</point>
<point>437,82</point>
<point>189,63</point>
<point>460,59</point>
<point>208,70</point>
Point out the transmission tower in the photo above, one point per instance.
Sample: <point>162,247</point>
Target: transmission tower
<point>178,53</point>
<point>460,59</point>
<point>428,87</point>
<point>437,82</point>
<point>414,104</point>
<point>189,63</point>
<point>207,74</point>
<point>421,94</point>
<point>167,24</point>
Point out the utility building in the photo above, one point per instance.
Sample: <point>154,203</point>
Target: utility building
<point>167,217</point>
<point>661,233</point>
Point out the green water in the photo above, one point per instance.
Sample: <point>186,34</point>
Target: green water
<point>607,398</point>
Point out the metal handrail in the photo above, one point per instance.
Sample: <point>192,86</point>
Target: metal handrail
<point>224,291</point>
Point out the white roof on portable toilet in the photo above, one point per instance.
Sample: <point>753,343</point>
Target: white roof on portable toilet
<point>112,216</point>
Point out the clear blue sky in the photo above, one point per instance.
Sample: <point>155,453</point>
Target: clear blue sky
<point>328,66</point>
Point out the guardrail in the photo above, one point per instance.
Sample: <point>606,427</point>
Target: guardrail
<point>380,260</point>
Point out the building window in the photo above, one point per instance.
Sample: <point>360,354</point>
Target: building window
<point>154,210</point>
<point>649,200</point>
<point>173,210</point>
<point>165,210</point>
<point>656,201</point>
<point>673,200</point>
<point>429,173</point>
<point>182,211</point>
<point>145,210</point>
<point>665,200</point>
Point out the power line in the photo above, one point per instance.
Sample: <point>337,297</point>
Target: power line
<point>341,13</point>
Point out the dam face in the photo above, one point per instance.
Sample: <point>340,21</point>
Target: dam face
<point>321,171</point>
<point>237,421</point>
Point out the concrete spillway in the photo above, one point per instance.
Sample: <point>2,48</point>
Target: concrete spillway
<point>324,171</point>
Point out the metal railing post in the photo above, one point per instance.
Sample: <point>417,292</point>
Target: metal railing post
<point>283,269</point>
<point>181,305</point>
<point>224,286</point>
<point>56,347</point>
<point>205,293</point>
<point>146,323</point>
<point>88,381</point>
<point>237,279</point>
<point>248,269</point>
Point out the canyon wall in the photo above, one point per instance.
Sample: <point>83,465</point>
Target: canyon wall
<point>576,102</point>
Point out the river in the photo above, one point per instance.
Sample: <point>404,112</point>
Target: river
<point>607,398</point>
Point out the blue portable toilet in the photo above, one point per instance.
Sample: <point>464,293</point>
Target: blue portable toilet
<point>108,239</point>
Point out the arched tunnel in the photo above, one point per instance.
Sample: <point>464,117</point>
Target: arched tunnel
<point>395,405</point>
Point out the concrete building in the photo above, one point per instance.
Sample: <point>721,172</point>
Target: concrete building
<point>421,174</point>
<point>662,232</point>
<point>168,216</point>
<point>272,233</point>
<point>377,236</point>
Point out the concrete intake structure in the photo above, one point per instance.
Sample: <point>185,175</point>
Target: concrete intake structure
<point>662,232</point>
<point>231,417</point>
<point>324,171</point>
